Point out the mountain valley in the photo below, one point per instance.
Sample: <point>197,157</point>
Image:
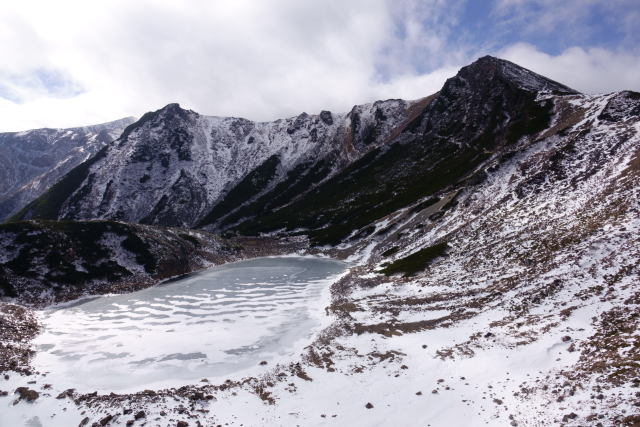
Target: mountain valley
<point>491,233</point>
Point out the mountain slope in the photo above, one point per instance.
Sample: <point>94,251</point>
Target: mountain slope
<point>32,161</point>
<point>515,299</point>
<point>174,166</point>
<point>43,262</point>
<point>477,115</point>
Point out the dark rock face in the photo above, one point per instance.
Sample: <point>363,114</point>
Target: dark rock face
<point>621,106</point>
<point>25,393</point>
<point>326,117</point>
<point>69,258</point>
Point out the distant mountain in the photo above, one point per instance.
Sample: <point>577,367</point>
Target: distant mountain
<point>32,161</point>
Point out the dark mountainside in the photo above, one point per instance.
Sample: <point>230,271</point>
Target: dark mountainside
<point>494,223</point>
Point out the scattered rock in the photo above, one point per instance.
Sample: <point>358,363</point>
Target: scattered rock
<point>197,395</point>
<point>106,420</point>
<point>264,362</point>
<point>27,394</point>
<point>67,393</point>
<point>497,401</point>
<point>419,393</point>
<point>369,405</point>
<point>182,424</point>
<point>84,422</point>
<point>139,415</point>
<point>568,417</point>
<point>566,338</point>
<point>631,420</point>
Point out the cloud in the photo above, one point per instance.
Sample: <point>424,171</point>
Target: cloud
<point>72,62</point>
<point>592,70</point>
<point>256,59</point>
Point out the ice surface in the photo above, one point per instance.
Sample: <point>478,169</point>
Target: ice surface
<point>209,324</point>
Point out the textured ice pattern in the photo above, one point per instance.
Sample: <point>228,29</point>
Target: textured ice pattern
<point>206,325</point>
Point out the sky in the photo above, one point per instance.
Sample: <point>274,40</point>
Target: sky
<point>69,63</point>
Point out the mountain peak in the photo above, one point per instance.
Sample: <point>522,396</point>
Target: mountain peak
<point>489,68</point>
<point>172,106</point>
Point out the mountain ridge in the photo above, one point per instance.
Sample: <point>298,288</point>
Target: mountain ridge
<point>209,171</point>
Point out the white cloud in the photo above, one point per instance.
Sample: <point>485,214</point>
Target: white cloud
<point>587,70</point>
<point>257,59</point>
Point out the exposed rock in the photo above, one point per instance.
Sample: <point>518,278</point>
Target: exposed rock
<point>27,394</point>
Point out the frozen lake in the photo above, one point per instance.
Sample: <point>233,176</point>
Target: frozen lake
<point>210,324</point>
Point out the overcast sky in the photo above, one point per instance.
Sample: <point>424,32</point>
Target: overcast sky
<point>69,63</point>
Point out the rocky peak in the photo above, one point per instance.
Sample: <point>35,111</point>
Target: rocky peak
<point>489,70</point>
<point>168,116</point>
<point>489,97</point>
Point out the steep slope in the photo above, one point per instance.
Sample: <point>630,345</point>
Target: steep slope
<point>176,167</point>
<point>32,161</point>
<point>478,114</point>
<point>514,299</point>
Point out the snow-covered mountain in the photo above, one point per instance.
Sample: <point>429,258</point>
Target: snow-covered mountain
<point>34,160</point>
<point>492,230</point>
<point>174,166</point>
<point>178,168</point>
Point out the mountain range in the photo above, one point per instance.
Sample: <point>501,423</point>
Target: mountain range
<point>175,167</point>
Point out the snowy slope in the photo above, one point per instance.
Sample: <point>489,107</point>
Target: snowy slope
<point>32,161</point>
<point>174,165</point>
